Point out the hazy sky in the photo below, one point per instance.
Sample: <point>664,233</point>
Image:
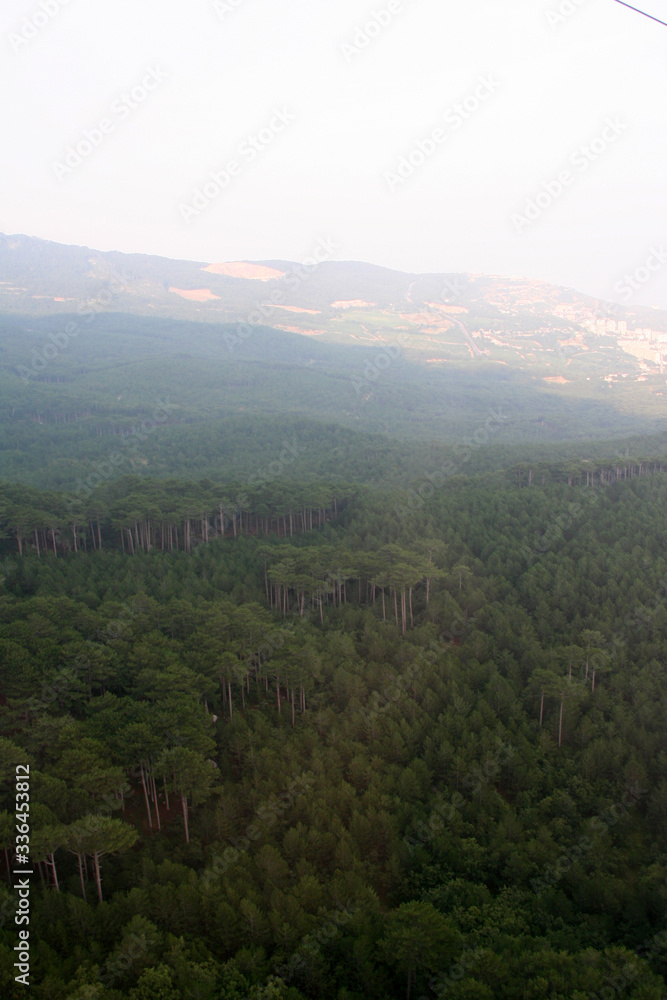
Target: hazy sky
<point>115,112</point>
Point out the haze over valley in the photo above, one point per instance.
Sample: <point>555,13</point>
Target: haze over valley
<point>333,478</point>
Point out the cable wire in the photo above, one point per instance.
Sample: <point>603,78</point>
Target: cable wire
<point>623,4</point>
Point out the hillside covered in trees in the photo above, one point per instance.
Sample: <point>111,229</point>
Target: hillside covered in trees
<point>333,546</point>
<point>337,675</point>
<point>341,741</point>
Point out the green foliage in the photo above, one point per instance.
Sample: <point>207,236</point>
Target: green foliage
<point>413,753</point>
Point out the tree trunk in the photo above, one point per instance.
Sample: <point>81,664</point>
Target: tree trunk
<point>83,884</point>
<point>148,805</point>
<point>184,804</point>
<point>98,878</point>
<point>541,709</point>
<point>155,800</point>
<point>52,862</point>
<point>560,724</point>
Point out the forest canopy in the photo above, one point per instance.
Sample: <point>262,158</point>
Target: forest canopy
<point>411,742</point>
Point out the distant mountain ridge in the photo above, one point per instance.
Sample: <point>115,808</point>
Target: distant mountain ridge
<point>51,275</point>
<point>437,318</point>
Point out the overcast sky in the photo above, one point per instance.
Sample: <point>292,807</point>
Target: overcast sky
<point>115,112</point>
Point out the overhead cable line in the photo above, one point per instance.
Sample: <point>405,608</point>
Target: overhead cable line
<point>623,4</point>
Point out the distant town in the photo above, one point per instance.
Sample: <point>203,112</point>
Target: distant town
<point>646,344</point>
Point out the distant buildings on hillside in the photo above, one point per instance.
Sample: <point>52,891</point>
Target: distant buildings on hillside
<point>642,342</point>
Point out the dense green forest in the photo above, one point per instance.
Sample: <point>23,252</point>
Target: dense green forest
<point>170,398</point>
<point>144,514</point>
<point>412,745</point>
<point>337,676</point>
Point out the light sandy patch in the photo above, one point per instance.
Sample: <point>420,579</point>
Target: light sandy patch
<point>297,329</point>
<point>556,378</point>
<point>195,294</point>
<point>447,309</point>
<point>422,319</point>
<point>241,269</point>
<point>298,309</point>
<point>352,304</point>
